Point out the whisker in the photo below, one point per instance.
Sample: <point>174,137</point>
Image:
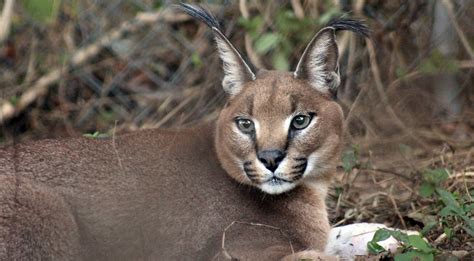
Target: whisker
<point>297,175</point>
<point>249,169</point>
<point>298,172</point>
<point>299,159</point>
<point>302,165</point>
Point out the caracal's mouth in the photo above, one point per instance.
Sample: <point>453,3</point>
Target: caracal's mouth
<point>276,185</point>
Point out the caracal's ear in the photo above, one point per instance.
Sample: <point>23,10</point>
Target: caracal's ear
<point>236,70</point>
<point>319,62</point>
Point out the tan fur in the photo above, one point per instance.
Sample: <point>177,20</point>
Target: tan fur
<point>170,194</point>
<point>70,199</point>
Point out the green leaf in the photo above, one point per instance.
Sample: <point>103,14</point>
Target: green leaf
<point>401,72</point>
<point>428,67</point>
<point>428,227</point>
<point>469,207</point>
<point>349,159</point>
<point>438,62</point>
<point>381,235</point>
<point>414,255</point>
<point>435,176</point>
<point>196,60</point>
<point>14,100</point>
<point>468,230</point>
<point>420,244</point>
<point>448,199</point>
<point>96,135</point>
<point>280,61</point>
<point>400,236</point>
<point>426,190</point>
<point>374,248</point>
<point>447,211</point>
<point>43,11</point>
<point>251,25</point>
<point>329,14</point>
<point>266,42</point>
<point>448,231</point>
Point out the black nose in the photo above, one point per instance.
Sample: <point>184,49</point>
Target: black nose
<point>271,158</point>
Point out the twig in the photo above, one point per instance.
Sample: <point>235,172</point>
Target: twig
<point>254,58</point>
<point>229,256</point>
<point>297,8</point>
<point>449,7</point>
<point>6,19</point>
<point>115,146</point>
<point>387,172</point>
<point>41,86</point>
<point>30,71</point>
<point>175,110</point>
<point>394,203</point>
<point>358,6</point>
<point>353,106</point>
<point>443,236</point>
<point>384,99</point>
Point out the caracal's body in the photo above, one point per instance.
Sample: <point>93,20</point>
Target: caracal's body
<point>265,163</point>
<point>153,195</point>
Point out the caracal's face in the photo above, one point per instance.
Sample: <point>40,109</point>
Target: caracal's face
<point>279,132</point>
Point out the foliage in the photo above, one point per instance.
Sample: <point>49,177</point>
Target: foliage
<point>350,158</point>
<point>42,11</point>
<point>96,135</point>
<point>411,246</point>
<point>437,62</point>
<point>431,180</point>
<point>451,212</point>
<point>454,209</point>
<point>289,32</point>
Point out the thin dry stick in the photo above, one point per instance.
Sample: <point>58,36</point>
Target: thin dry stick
<point>297,8</point>
<point>449,7</point>
<point>395,206</point>
<point>254,58</point>
<point>227,255</point>
<point>358,6</point>
<point>41,86</point>
<point>384,99</point>
<point>6,19</point>
<point>387,172</point>
<point>466,64</point>
<point>115,146</point>
<point>355,104</point>
<point>175,110</point>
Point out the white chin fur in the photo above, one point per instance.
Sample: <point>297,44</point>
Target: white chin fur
<point>275,189</point>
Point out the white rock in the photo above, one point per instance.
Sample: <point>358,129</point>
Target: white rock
<point>351,240</point>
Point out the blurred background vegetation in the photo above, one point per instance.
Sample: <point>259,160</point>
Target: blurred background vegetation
<point>91,67</point>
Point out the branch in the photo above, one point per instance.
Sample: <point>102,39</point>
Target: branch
<point>6,19</point>
<point>81,56</point>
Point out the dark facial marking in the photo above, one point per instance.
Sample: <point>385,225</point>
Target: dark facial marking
<point>250,101</point>
<point>299,159</point>
<point>297,175</point>
<point>273,91</point>
<point>300,166</point>
<point>293,102</point>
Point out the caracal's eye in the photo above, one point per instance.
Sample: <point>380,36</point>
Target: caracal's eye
<point>300,122</point>
<point>245,125</point>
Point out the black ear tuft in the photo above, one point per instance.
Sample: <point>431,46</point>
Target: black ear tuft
<point>237,71</point>
<point>356,26</point>
<point>199,13</point>
<point>319,62</point>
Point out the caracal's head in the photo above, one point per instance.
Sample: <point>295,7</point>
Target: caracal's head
<point>280,129</point>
